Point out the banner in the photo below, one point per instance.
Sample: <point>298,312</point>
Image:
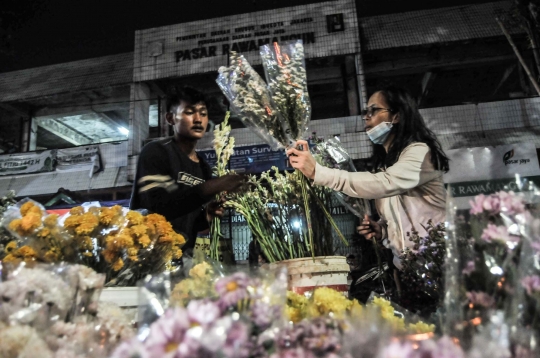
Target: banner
<point>23,163</point>
<point>486,170</point>
<point>251,159</point>
<point>79,159</point>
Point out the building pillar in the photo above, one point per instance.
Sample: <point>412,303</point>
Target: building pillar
<point>139,107</point>
<point>361,80</point>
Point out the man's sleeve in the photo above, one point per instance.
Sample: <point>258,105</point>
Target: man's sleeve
<point>159,192</point>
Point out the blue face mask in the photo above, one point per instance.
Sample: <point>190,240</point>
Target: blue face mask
<point>379,134</point>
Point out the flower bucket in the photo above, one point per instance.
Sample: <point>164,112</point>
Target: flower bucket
<point>308,273</point>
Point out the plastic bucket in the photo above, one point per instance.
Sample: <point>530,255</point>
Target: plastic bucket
<point>308,273</point>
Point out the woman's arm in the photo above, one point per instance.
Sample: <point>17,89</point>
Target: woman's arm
<point>412,169</point>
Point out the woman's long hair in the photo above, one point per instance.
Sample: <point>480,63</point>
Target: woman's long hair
<point>410,128</point>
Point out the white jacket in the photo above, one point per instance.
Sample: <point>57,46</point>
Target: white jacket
<point>407,194</point>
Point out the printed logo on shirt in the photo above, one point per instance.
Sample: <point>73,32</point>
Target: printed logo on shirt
<point>188,179</point>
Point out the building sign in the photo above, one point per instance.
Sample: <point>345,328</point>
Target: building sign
<point>327,29</point>
<point>251,159</point>
<point>486,170</point>
<point>23,163</point>
<point>78,159</point>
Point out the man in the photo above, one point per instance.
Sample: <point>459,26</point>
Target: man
<point>172,179</point>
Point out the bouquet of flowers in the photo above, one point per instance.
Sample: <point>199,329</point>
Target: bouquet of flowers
<point>330,153</point>
<point>281,220</point>
<point>491,266</point>
<point>252,102</point>
<point>5,236</point>
<point>52,311</point>
<point>285,71</point>
<point>125,247</point>
<point>224,147</point>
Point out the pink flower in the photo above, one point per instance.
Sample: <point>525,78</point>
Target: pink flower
<point>469,268</point>
<point>535,245</point>
<point>232,289</point>
<point>531,284</point>
<point>167,333</point>
<point>203,312</point>
<point>131,349</point>
<point>499,234</point>
<point>478,298</point>
<point>397,350</point>
<point>511,204</point>
<point>491,204</point>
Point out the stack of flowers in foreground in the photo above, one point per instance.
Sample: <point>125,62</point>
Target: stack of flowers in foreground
<point>241,315</point>
<point>124,245</point>
<point>493,274</point>
<point>52,311</point>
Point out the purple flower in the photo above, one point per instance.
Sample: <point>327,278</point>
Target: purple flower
<point>203,312</point>
<point>131,349</point>
<point>232,289</point>
<point>531,284</point>
<point>263,314</point>
<point>297,352</point>
<point>478,298</point>
<point>469,268</point>
<point>535,245</point>
<point>499,234</point>
<point>397,350</point>
<point>443,348</point>
<point>167,333</point>
<point>237,342</point>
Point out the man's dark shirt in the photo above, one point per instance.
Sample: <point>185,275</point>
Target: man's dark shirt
<point>168,183</point>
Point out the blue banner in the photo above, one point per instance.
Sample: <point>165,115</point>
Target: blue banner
<point>251,159</point>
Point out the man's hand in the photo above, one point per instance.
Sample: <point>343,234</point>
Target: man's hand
<point>370,229</point>
<point>215,209</point>
<point>302,159</point>
<point>228,183</point>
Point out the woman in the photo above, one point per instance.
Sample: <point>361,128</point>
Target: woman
<point>407,184</point>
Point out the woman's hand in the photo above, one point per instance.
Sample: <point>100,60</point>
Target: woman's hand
<point>302,159</point>
<point>370,229</point>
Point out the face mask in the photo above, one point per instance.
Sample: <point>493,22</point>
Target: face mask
<point>380,132</point>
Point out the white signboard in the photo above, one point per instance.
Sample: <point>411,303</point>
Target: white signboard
<point>78,159</point>
<point>327,29</point>
<point>32,162</point>
<point>485,170</point>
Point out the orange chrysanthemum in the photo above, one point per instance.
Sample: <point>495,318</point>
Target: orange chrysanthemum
<point>26,252</point>
<point>138,230</point>
<point>43,233</point>
<point>15,224</point>
<point>134,218</point>
<point>77,210</point>
<point>26,207</point>
<point>11,259</point>
<point>144,241</point>
<point>132,251</point>
<point>108,215</point>
<point>118,264</point>
<point>12,245</point>
<point>51,220</point>
<point>72,221</point>
<point>30,222</point>
<point>109,255</point>
<point>177,254</point>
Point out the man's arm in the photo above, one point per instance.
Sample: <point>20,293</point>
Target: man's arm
<point>160,193</point>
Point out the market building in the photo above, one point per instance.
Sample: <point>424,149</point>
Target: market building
<point>96,114</point>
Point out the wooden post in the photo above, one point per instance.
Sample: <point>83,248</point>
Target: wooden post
<point>520,58</point>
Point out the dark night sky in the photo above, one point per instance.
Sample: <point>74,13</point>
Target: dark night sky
<point>43,32</point>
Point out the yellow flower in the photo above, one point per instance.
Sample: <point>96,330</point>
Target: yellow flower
<point>138,230</point>
<point>107,215</point>
<point>202,271</point>
<point>327,300</point>
<point>166,239</point>
<point>144,241</point>
<point>26,252</point>
<point>134,218</point>
<point>177,254</point>
<point>294,314</point>
<point>420,327</point>
<point>12,245</point>
<point>164,228</point>
<point>86,243</point>
<point>77,210</point>
<point>43,233</point>
<point>109,255</point>
<point>30,222</point>
<point>35,210</point>
<point>15,224</point>
<point>134,258</point>
<point>52,255</point>
<point>25,207</point>
<point>11,259</point>
<point>51,220</point>
<point>87,223</point>
<point>118,264</point>
<point>132,251</point>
